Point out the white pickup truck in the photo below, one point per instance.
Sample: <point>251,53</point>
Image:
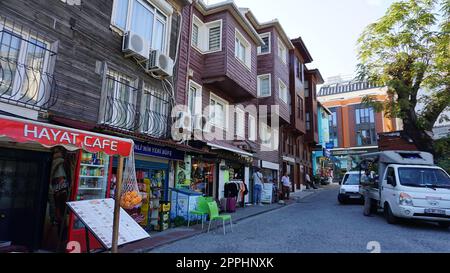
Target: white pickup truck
<point>405,184</point>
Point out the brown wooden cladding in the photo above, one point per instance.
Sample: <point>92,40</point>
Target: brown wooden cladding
<point>352,125</point>
<point>90,40</point>
<point>296,91</point>
<point>271,64</point>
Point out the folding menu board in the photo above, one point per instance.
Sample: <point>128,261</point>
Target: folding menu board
<point>97,215</point>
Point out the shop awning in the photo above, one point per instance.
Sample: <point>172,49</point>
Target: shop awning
<point>228,147</point>
<point>49,135</point>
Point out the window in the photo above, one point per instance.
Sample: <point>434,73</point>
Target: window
<point>195,101</point>
<point>332,119</point>
<point>207,37</point>
<point>24,67</point>
<point>251,128</point>
<point>240,123</point>
<point>264,85</point>
<point>155,110</point>
<point>120,101</point>
<point>299,70</point>
<point>282,51</point>
<point>306,89</point>
<point>283,92</point>
<point>365,125</point>
<point>308,122</point>
<point>265,134</point>
<point>300,108</point>
<point>142,18</point>
<point>242,49</point>
<point>265,49</point>
<point>217,112</point>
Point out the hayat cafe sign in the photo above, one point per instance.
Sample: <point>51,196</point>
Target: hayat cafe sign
<point>49,135</point>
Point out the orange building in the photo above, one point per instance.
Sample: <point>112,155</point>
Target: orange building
<point>354,126</point>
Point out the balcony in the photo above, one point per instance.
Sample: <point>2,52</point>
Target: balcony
<point>151,117</point>
<point>26,67</point>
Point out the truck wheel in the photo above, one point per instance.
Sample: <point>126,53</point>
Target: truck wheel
<point>444,225</point>
<point>390,217</point>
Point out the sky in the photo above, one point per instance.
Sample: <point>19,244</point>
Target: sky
<point>329,28</point>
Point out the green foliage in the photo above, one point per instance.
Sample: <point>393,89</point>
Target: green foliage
<point>407,50</point>
<point>442,156</point>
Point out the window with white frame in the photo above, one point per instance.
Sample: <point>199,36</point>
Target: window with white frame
<point>195,104</point>
<point>240,123</point>
<point>242,49</point>
<point>264,85</point>
<point>283,91</point>
<point>217,111</point>
<point>266,48</point>
<point>251,128</point>
<point>143,19</point>
<point>282,51</point>
<point>265,134</point>
<point>206,37</point>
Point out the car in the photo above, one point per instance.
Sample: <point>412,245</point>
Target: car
<point>349,189</point>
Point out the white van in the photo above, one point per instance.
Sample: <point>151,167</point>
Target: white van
<point>349,189</point>
<point>410,187</point>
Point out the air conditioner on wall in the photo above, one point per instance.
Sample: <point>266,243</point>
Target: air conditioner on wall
<point>160,64</point>
<point>135,45</point>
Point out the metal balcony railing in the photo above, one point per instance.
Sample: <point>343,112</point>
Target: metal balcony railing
<point>155,116</point>
<point>120,106</point>
<point>26,67</point>
<point>123,113</point>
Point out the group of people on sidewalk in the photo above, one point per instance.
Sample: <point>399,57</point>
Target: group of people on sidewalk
<point>258,186</point>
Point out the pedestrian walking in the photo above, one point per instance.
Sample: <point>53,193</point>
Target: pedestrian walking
<point>285,180</point>
<point>257,187</point>
<point>309,183</point>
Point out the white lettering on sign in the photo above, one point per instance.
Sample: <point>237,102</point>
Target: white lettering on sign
<point>65,137</point>
<point>55,134</point>
<point>86,138</point>
<point>72,2</point>
<point>114,145</point>
<point>26,131</point>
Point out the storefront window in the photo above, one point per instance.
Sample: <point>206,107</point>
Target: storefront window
<point>202,177</point>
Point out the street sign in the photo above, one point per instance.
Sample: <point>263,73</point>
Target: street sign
<point>326,152</point>
<point>329,145</point>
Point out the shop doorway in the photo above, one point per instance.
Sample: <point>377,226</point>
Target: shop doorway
<point>24,177</point>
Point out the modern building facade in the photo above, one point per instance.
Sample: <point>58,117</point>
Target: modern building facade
<point>353,126</point>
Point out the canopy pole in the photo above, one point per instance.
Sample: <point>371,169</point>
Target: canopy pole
<point>114,248</point>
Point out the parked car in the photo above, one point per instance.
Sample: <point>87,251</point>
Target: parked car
<point>349,189</point>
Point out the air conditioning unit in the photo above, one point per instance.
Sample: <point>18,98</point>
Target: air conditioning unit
<point>135,45</point>
<point>160,64</point>
<point>181,122</point>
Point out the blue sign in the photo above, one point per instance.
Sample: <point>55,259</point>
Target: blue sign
<point>158,151</point>
<point>329,145</point>
<point>326,153</point>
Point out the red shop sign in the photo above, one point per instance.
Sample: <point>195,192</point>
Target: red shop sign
<point>48,135</point>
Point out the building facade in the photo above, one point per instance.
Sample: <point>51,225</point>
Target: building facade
<point>353,126</point>
<point>193,95</point>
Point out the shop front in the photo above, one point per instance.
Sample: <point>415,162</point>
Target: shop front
<point>272,179</point>
<point>42,166</point>
<point>154,165</point>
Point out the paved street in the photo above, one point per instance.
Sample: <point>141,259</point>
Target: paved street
<point>317,224</point>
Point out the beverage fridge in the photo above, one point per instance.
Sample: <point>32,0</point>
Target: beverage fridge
<point>92,182</point>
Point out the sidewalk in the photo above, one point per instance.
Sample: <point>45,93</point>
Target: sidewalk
<point>171,235</point>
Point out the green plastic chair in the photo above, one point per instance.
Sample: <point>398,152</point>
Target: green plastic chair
<point>202,210</point>
<point>214,216</point>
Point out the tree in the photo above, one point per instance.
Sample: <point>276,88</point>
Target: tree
<point>408,51</point>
